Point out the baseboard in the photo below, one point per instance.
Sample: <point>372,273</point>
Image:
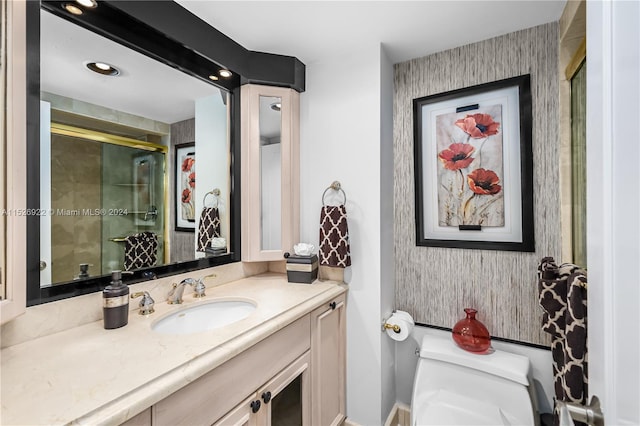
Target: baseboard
<point>400,415</point>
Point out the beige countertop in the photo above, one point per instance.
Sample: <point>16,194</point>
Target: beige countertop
<point>89,375</point>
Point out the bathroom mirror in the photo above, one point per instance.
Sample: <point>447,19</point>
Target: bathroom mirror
<point>270,125</point>
<point>271,172</point>
<point>107,186</point>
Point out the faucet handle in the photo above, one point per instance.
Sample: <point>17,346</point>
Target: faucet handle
<point>198,288</point>
<point>146,303</point>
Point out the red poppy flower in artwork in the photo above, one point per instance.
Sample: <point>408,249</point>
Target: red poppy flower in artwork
<point>484,182</point>
<point>186,195</point>
<point>187,164</point>
<point>478,125</point>
<point>457,156</point>
<point>192,179</point>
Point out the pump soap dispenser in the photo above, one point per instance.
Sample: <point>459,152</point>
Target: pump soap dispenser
<point>115,304</point>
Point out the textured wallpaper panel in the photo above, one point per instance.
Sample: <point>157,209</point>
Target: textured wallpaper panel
<point>436,284</point>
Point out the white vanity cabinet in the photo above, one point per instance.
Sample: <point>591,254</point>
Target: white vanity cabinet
<point>270,163</point>
<point>295,376</point>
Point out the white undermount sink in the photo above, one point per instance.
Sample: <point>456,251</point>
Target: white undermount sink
<point>204,316</point>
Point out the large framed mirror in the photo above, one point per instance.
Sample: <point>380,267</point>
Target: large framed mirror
<point>102,168</point>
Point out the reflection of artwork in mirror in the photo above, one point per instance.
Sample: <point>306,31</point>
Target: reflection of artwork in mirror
<point>185,187</point>
<point>145,209</point>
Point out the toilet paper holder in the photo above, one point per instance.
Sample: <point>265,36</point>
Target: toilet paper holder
<point>400,322</point>
<point>395,327</point>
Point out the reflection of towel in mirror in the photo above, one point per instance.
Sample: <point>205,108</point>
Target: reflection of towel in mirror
<point>140,250</point>
<point>563,296</point>
<point>208,228</point>
<point>334,237</point>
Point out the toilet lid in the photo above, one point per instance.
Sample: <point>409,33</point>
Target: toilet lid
<point>447,408</point>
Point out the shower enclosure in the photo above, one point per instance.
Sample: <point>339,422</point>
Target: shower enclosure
<point>103,190</point>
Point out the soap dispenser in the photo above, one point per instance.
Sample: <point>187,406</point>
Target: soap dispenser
<point>115,304</point>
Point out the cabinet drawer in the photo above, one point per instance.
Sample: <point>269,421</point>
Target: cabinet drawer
<point>217,392</point>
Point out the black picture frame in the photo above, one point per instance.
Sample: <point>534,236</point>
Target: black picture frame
<point>442,223</point>
<point>181,150</point>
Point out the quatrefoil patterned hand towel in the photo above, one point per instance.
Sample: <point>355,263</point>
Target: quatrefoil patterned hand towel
<point>563,297</point>
<point>140,250</point>
<point>334,237</point>
<point>208,228</point>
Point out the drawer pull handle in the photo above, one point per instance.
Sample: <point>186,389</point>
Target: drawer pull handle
<point>255,406</point>
<point>333,305</point>
<point>266,397</point>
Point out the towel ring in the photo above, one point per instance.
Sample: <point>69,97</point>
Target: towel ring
<point>216,193</point>
<point>335,185</point>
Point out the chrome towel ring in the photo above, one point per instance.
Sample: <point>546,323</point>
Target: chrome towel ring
<point>335,185</point>
<point>216,193</point>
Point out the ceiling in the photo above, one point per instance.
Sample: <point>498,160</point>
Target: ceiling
<point>145,87</point>
<point>310,30</point>
<point>316,30</point>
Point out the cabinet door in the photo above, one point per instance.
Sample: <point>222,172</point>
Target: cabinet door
<point>286,399</point>
<point>270,157</point>
<point>242,415</point>
<point>328,361</point>
<point>13,227</point>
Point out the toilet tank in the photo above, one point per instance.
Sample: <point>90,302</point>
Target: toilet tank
<point>453,386</point>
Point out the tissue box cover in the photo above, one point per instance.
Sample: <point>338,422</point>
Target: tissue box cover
<point>302,269</point>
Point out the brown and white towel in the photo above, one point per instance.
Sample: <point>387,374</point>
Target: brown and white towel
<point>334,237</point>
<point>209,227</point>
<point>140,250</point>
<point>563,296</point>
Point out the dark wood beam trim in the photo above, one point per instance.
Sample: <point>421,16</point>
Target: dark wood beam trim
<point>186,28</point>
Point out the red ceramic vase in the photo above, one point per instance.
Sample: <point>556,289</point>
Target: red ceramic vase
<point>470,334</point>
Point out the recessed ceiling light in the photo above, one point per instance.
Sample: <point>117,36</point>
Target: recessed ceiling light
<point>72,8</point>
<point>225,73</point>
<point>88,3</point>
<point>276,106</point>
<point>213,77</point>
<point>102,68</point>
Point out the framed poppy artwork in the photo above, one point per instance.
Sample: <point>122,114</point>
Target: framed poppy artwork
<point>474,168</point>
<point>185,178</point>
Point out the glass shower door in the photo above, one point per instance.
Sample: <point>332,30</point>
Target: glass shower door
<point>133,201</point>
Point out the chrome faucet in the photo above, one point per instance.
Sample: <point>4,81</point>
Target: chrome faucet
<point>177,290</point>
<point>146,303</point>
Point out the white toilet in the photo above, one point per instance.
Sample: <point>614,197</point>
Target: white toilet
<point>456,387</point>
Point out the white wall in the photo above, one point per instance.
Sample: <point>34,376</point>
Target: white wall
<point>341,140</point>
<point>211,145</point>
<point>45,191</point>
<point>271,196</point>
<point>613,206</point>
<point>387,252</point>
